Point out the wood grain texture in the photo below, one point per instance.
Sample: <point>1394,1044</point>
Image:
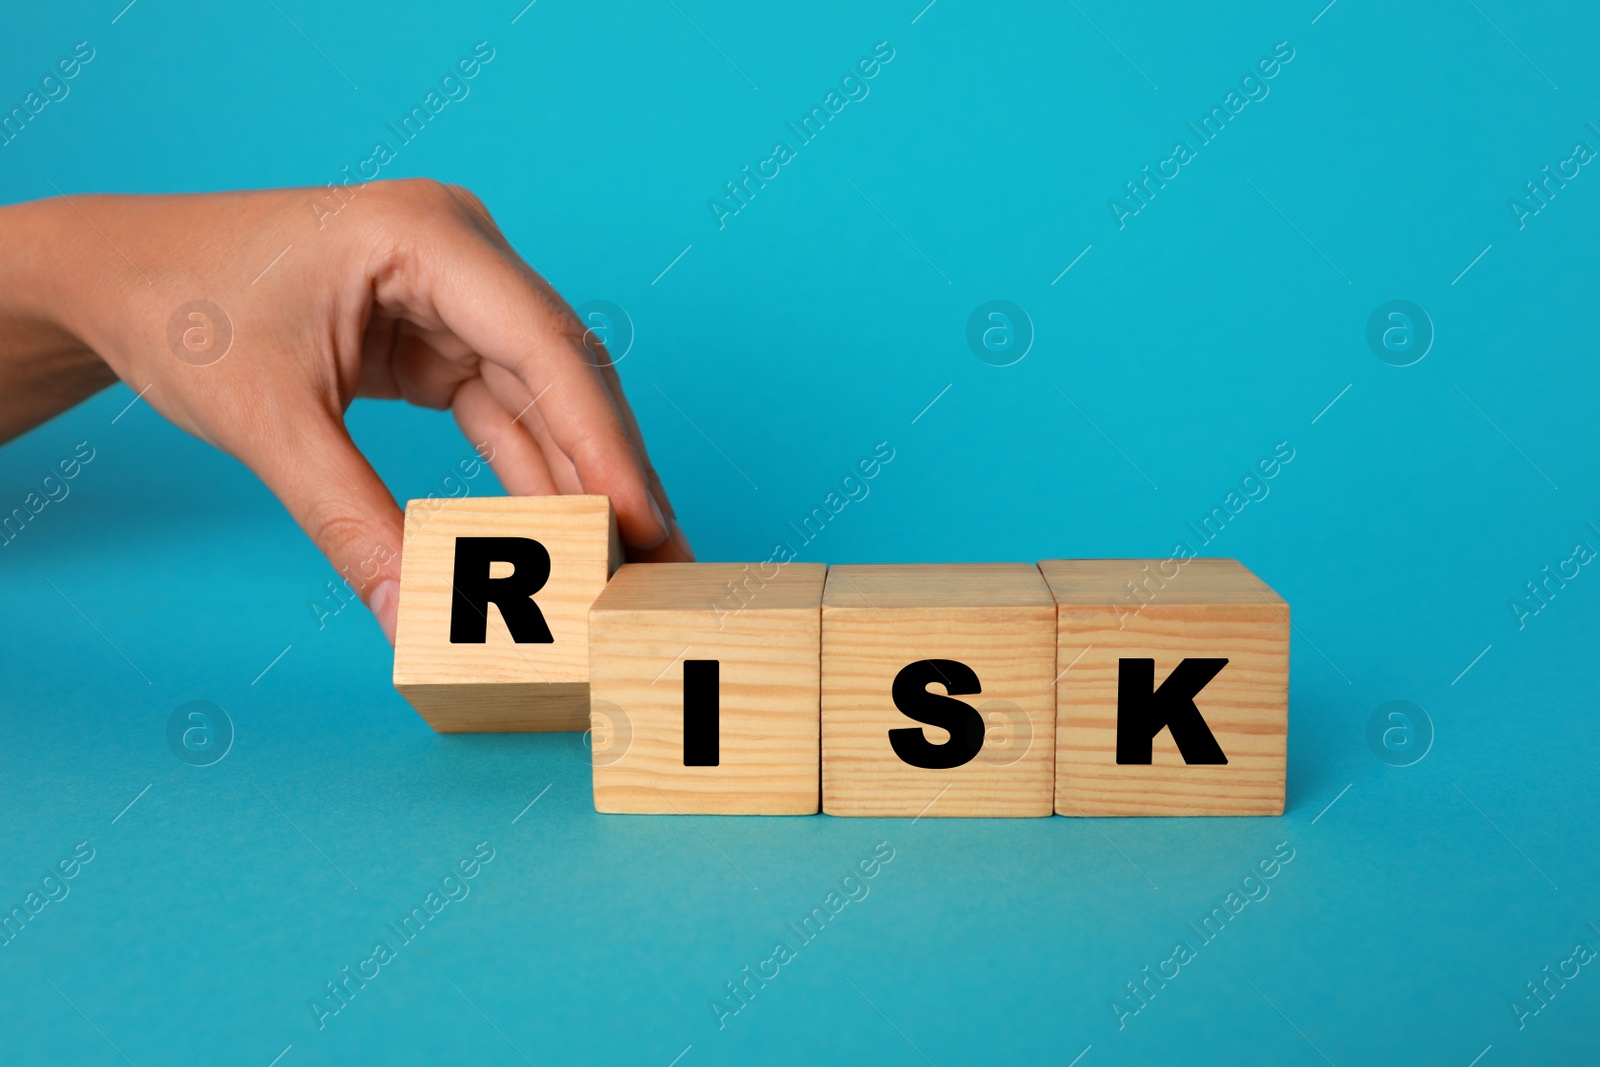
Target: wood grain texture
<point>501,685</point>
<point>998,619</point>
<point>1174,609</point>
<point>653,617</point>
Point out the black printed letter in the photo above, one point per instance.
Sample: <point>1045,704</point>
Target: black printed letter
<point>1144,711</point>
<point>911,696</point>
<point>702,734</point>
<point>474,590</point>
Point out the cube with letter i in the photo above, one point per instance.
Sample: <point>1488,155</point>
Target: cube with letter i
<point>1173,697</point>
<point>493,625</point>
<point>704,678</point>
<point>938,693</point>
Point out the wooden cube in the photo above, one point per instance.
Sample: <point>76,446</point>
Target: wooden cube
<point>493,627</point>
<point>938,693</point>
<point>1173,697</point>
<point>706,676</point>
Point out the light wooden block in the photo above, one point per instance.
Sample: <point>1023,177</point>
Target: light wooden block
<point>657,624</point>
<point>501,684</point>
<point>996,618</point>
<point>1169,611</point>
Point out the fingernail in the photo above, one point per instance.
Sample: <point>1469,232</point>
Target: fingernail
<point>385,605</point>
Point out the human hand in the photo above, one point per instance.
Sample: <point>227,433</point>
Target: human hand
<point>409,291</point>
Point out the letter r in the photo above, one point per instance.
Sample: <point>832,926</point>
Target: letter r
<point>473,590</point>
<point>1143,710</point>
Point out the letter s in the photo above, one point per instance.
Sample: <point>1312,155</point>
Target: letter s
<point>961,719</point>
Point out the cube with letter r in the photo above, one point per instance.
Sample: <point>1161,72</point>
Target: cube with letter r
<point>493,631</point>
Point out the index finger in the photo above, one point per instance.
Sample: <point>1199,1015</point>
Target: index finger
<point>675,549</point>
<point>490,302</point>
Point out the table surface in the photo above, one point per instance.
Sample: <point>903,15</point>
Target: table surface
<point>1168,350</point>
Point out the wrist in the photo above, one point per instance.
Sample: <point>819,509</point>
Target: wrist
<point>45,367</point>
<point>31,272</point>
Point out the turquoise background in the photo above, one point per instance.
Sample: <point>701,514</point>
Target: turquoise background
<point>1224,318</point>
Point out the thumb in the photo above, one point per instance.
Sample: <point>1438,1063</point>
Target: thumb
<point>341,503</point>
